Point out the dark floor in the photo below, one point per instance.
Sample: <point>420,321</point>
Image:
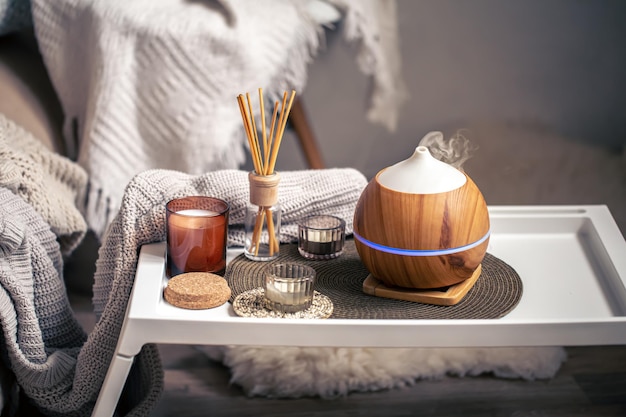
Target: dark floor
<point>591,383</point>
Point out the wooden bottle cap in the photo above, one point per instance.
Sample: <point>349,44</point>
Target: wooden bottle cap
<point>264,189</point>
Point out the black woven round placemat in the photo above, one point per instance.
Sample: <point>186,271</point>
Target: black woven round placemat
<point>496,292</point>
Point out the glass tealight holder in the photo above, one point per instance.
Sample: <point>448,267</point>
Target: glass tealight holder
<point>321,237</point>
<point>289,287</point>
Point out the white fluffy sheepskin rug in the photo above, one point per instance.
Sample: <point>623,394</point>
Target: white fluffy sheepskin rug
<point>292,372</point>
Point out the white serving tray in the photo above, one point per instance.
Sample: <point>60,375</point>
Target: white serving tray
<point>571,259</point>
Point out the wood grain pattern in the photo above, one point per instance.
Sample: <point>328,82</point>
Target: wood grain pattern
<point>421,222</point>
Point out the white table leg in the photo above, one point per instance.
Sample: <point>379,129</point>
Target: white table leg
<point>112,386</point>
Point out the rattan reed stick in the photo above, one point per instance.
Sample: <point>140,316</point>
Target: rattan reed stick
<point>264,154</point>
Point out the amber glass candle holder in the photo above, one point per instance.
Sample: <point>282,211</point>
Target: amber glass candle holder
<point>197,234</point>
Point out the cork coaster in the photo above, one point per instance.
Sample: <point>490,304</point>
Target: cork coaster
<point>197,290</point>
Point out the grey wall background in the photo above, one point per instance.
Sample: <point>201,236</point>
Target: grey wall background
<point>539,84</point>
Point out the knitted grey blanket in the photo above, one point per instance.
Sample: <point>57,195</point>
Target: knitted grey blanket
<point>141,220</point>
<point>42,339</point>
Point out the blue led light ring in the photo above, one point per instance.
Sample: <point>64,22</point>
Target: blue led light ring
<point>420,252</point>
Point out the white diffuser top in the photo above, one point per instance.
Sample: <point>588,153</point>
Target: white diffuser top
<point>422,174</point>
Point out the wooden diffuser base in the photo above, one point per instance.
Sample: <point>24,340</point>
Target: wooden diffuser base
<point>445,297</point>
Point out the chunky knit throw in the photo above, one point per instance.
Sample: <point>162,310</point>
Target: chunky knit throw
<point>41,336</point>
<point>152,84</point>
<point>51,183</point>
<point>141,220</point>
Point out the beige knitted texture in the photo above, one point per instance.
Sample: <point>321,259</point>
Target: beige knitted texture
<point>51,183</point>
<point>141,220</point>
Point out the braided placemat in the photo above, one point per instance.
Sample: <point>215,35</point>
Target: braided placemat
<point>496,292</point>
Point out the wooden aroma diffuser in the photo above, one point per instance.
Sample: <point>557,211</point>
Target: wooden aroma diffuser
<point>422,224</point>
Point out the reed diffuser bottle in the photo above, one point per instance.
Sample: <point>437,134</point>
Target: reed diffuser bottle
<point>262,222</point>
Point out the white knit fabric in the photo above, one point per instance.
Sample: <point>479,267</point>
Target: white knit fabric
<point>149,84</point>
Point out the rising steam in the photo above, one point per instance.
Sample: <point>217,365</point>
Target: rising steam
<point>453,151</point>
